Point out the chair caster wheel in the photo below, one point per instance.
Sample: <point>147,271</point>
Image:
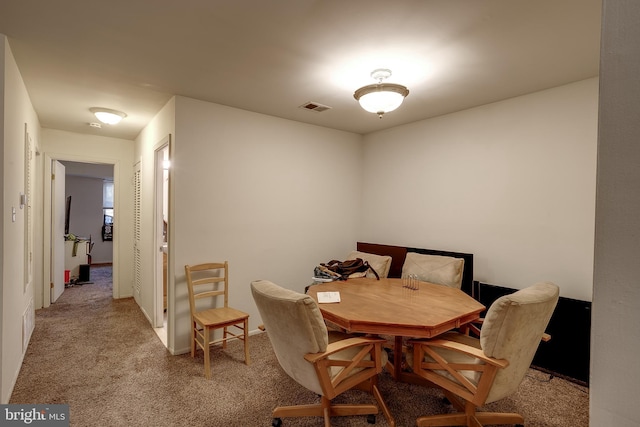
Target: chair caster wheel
<point>276,422</point>
<point>371,419</point>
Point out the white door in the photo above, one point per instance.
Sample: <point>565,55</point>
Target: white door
<point>161,231</point>
<point>57,229</point>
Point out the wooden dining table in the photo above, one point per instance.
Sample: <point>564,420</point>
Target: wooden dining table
<point>386,307</point>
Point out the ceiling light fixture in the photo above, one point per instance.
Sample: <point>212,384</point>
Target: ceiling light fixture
<point>381,97</point>
<point>108,116</point>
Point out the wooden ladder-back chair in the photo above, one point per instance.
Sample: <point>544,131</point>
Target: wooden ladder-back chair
<point>210,281</point>
<point>473,372</point>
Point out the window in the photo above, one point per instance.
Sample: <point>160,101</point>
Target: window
<point>107,194</point>
<point>107,210</point>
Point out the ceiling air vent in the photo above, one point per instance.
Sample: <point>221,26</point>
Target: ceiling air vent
<point>314,106</point>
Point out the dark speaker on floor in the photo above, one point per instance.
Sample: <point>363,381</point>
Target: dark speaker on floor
<point>84,273</point>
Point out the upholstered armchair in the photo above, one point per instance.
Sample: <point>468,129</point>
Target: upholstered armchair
<point>326,363</point>
<point>473,372</point>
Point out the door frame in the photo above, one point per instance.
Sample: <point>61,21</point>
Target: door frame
<point>56,277</point>
<point>158,173</point>
<point>44,288</point>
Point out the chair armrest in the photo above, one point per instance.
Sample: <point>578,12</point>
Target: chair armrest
<point>462,348</point>
<point>337,346</point>
<point>475,326</point>
<point>456,382</point>
<point>339,374</point>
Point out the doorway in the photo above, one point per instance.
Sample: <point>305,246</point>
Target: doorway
<point>87,232</point>
<point>161,215</point>
<point>89,190</point>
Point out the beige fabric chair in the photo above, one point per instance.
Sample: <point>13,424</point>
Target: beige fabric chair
<point>380,263</point>
<point>326,363</point>
<point>473,372</point>
<point>207,283</point>
<point>441,270</point>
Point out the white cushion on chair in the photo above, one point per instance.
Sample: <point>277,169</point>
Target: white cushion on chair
<point>441,270</point>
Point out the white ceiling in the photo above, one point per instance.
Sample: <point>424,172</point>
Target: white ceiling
<point>271,56</point>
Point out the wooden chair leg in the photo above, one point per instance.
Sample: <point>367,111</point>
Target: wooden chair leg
<point>246,342</point>
<point>327,410</point>
<point>383,405</point>
<point>207,362</point>
<point>313,410</point>
<point>193,338</point>
<point>489,418</point>
<point>470,417</point>
<point>326,404</point>
<point>442,420</point>
<point>224,335</point>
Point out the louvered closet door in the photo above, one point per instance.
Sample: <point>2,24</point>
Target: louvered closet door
<point>137,267</point>
<point>26,200</point>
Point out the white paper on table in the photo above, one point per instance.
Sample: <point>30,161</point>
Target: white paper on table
<point>328,297</point>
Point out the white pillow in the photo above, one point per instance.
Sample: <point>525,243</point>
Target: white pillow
<point>380,263</point>
<point>441,270</point>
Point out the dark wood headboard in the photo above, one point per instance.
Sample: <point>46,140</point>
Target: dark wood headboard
<point>399,253</point>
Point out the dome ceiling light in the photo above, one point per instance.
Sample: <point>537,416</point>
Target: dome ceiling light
<point>381,97</point>
<point>107,115</point>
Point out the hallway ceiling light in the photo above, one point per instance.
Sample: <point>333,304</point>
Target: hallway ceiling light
<point>108,116</point>
<point>381,97</point>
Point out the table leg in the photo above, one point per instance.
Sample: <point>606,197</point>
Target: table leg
<point>397,357</point>
<point>395,368</point>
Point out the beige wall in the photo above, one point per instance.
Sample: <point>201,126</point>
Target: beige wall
<point>616,298</point>
<point>511,182</point>
<point>17,292</point>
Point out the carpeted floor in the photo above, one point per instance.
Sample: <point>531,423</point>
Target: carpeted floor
<point>102,357</point>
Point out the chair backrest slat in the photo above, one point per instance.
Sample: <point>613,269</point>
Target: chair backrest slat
<point>207,294</point>
<point>204,276</point>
